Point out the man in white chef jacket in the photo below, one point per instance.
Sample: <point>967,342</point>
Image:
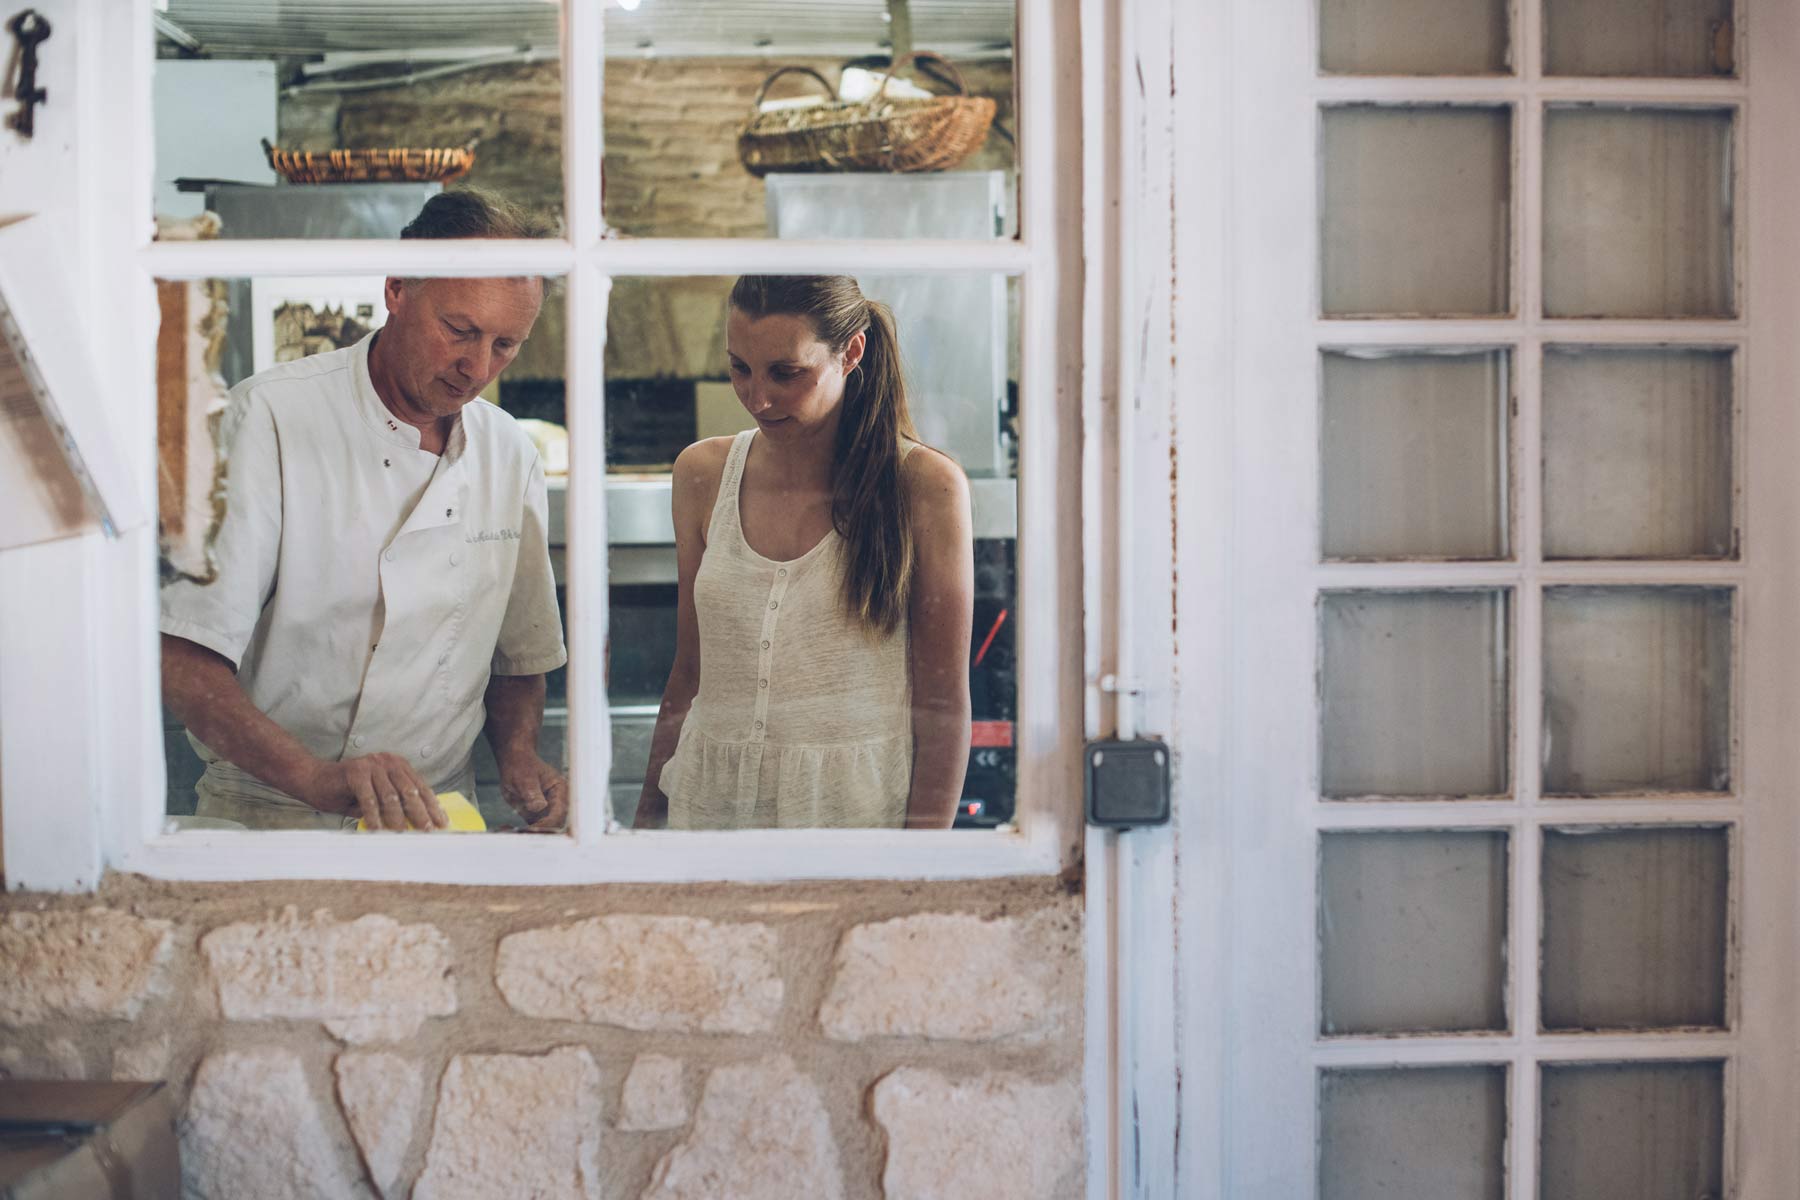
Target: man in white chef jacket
<point>384,586</point>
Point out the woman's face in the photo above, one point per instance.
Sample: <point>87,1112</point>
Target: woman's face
<point>784,376</point>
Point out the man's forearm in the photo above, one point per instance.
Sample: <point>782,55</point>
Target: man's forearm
<point>515,714</point>
<point>203,693</point>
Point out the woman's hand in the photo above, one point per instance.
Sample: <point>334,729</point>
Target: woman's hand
<point>652,809</point>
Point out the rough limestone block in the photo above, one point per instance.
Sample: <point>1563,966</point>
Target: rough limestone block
<point>653,1097</point>
<point>144,1060</point>
<point>59,1058</point>
<point>761,1133</point>
<point>380,1097</point>
<point>516,1125</point>
<point>93,964</point>
<point>647,973</point>
<point>998,1137</point>
<point>952,976</point>
<point>371,977</point>
<point>254,1128</point>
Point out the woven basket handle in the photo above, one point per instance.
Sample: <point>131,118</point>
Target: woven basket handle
<point>962,87</point>
<point>763,91</point>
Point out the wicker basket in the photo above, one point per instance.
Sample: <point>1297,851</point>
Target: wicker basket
<point>881,133</point>
<point>371,166</point>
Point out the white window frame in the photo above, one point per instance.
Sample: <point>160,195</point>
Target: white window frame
<point>80,745</point>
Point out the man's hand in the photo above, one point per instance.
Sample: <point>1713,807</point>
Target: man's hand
<point>382,788</point>
<point>536,790</point>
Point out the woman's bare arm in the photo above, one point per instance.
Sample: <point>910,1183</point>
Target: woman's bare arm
<point>940,613</point>
<point>693,490</point>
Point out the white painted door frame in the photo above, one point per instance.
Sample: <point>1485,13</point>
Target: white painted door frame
<point>1202,1044</point>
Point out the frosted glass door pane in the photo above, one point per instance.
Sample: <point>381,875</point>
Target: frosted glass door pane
<point>1412,932</point>
<point>1630,37</point>
<point>1637,686</point>
<point>1634,928</point>
<point>1414,693</point>
<point>1637,453</point>
<point>1637,213</point>
<point>1633,1131</point>
<point>1413,450</point>
<point>1413,37</point>
<point>1416,211</point>
<point>1432,1133</point>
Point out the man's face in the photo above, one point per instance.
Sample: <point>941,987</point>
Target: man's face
<point>447,339</point>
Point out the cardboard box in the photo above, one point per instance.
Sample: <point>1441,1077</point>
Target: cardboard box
<point>87,1141</point>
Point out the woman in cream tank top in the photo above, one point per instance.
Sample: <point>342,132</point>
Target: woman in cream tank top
<point>823,683</point>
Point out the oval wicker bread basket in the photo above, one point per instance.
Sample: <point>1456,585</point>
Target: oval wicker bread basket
<point>881,133</point>
<point>399,165</point>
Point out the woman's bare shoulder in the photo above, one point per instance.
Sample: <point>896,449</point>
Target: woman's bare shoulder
<point>702,461</point>
<point>694,488</point>
<point>934,483</point>
<point>927,469</point>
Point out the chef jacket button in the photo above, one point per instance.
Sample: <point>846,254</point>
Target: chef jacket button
<point>774,604</point>
<point>765,645</point>
<point>357,740</point>
<point>389,556</point>
<point>425,751</point>
<point>762,683</point>
<point>782,572</point>
<point>759,724</point>
<point>455,559</point>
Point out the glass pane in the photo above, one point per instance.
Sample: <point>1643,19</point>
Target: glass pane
<point>788,709</point>
<point>1637,453</point>
<point>1638,213</point>
<point>1637,686</point>
<point>1628,37</point>
<point>1414,461</point>
<point>1414,37</point>
<point>1412,932</point>
<point>1633,1131</point>
<point>1414,693</point>
<point>379,570</point>
<point>310,78</point>
<point>1634,928</point>
<point>683,79</point>
<point>1432,1133</point>
<point>1417,211</point>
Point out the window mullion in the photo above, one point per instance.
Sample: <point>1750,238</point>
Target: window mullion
<point>585,557</point>
<point>583,84</point>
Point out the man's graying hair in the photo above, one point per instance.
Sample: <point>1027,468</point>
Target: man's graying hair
<point>469,213</point>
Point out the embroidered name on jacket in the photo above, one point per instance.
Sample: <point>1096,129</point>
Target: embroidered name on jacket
<point>493,535</point>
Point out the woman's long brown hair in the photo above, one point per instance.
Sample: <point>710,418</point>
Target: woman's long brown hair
<point>868,508</point>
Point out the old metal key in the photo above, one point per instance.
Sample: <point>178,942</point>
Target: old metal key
<point>30,28</point>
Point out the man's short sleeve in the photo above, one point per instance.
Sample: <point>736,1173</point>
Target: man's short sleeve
<point>531,640</point>
<point>221,615</point>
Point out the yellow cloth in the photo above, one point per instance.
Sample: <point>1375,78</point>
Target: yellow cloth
<point>464,817</point>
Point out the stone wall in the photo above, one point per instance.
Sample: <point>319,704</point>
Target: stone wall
<point>671,1043</point>
<point>671,170</point>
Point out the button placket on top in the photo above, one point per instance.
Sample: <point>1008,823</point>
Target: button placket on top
<point>765,655</point>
